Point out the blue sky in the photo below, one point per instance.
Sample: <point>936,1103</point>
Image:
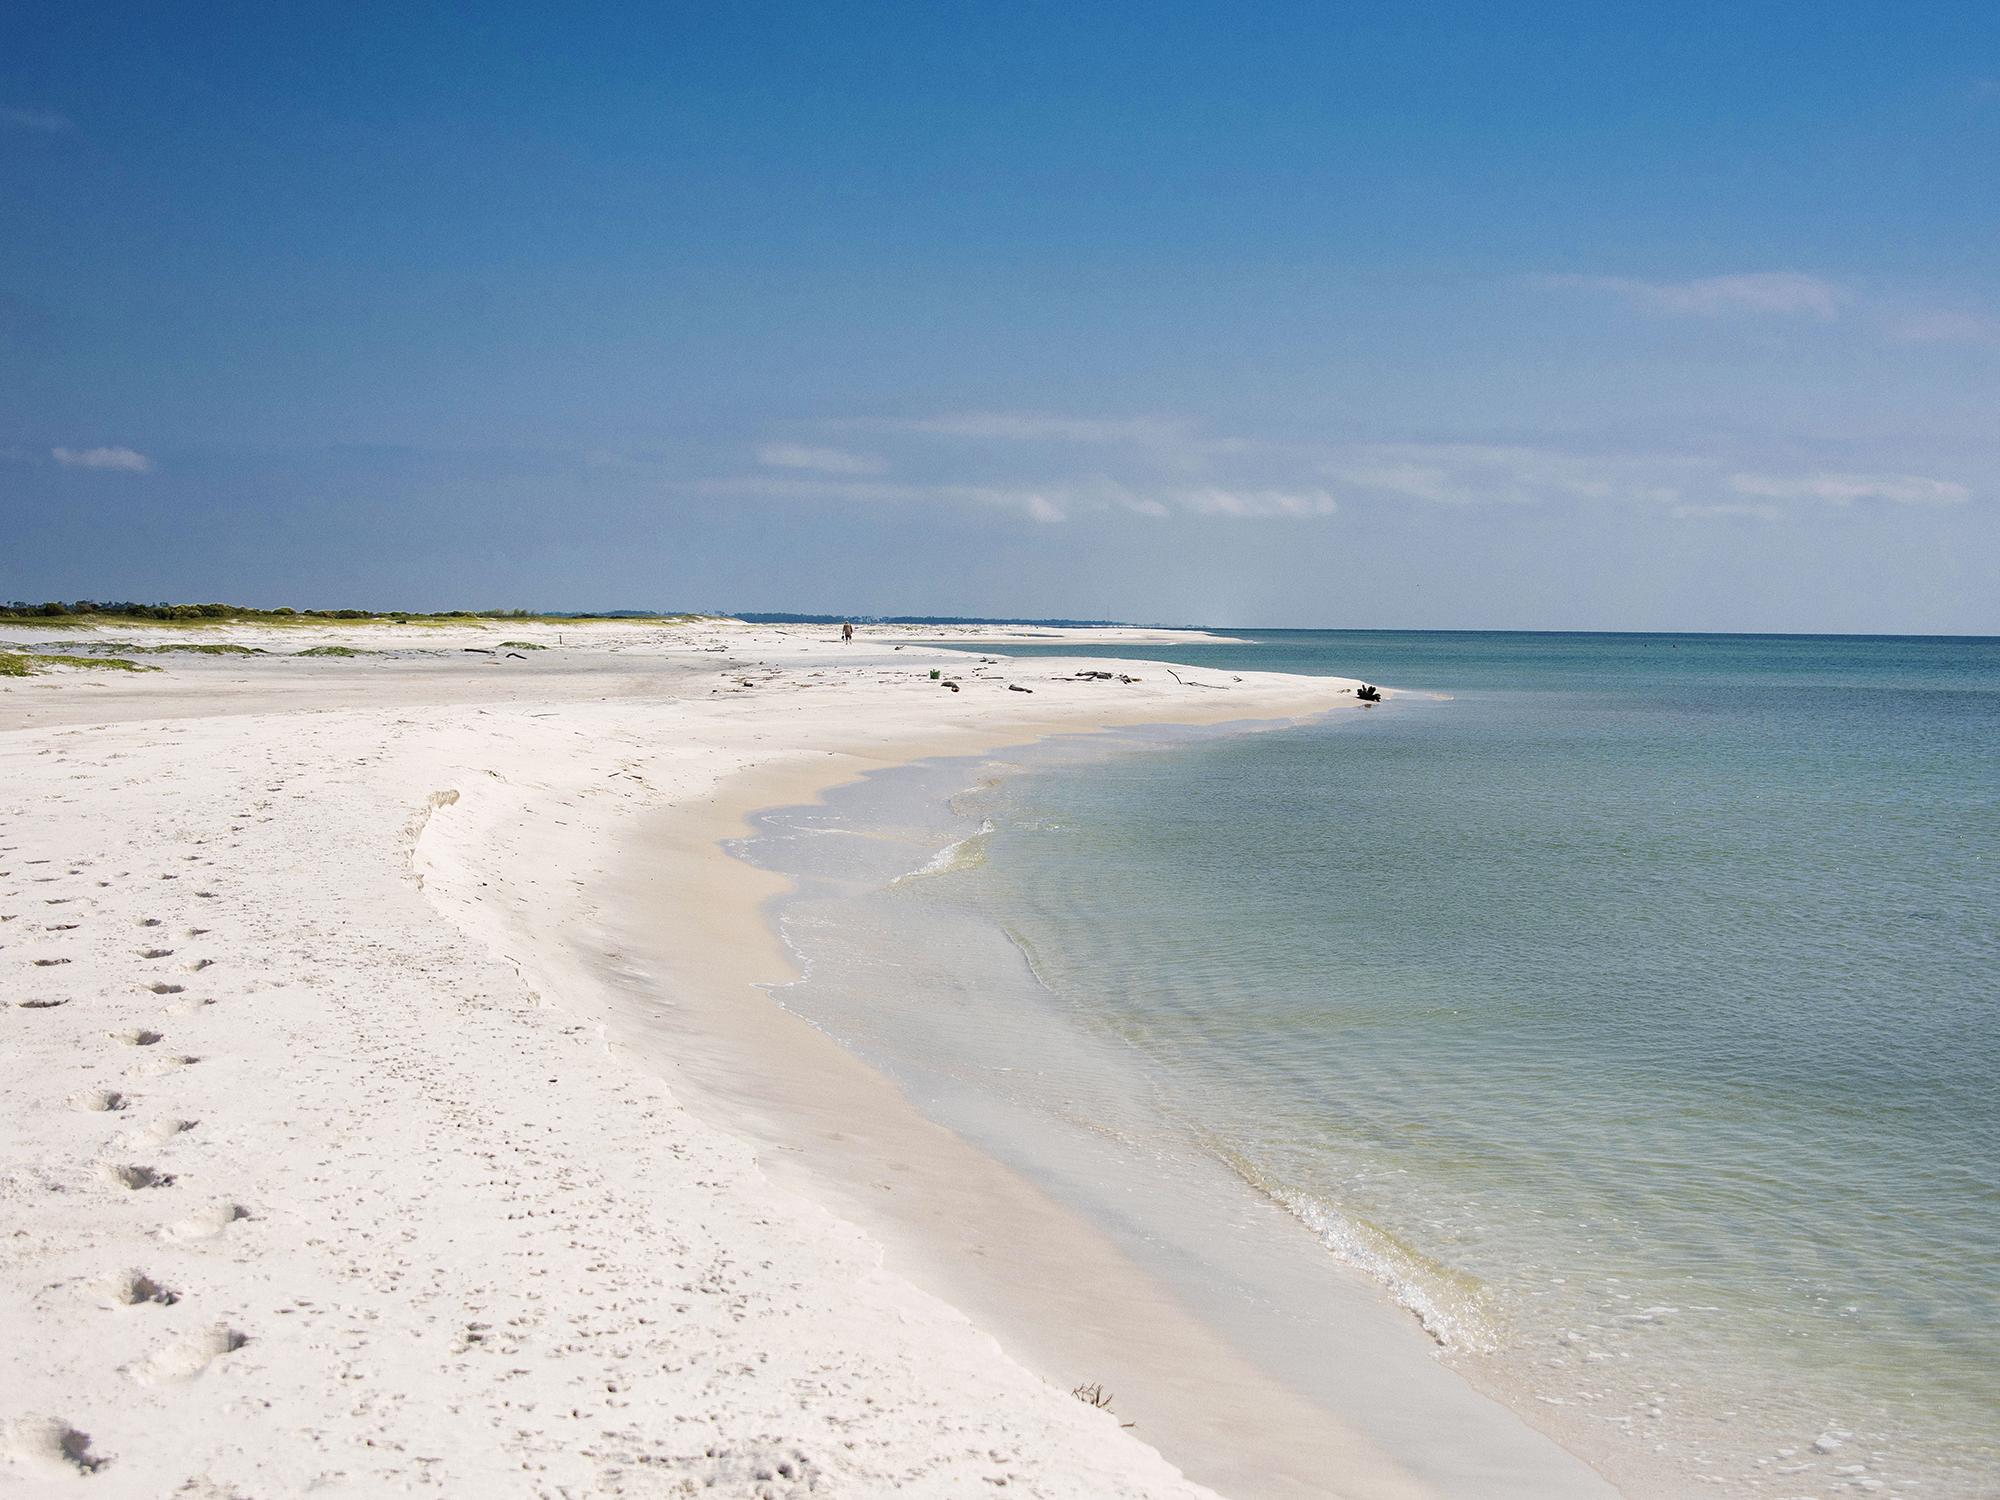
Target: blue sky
<point>1591,316</point>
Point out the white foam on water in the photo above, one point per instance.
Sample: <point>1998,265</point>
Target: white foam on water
<point>959,854</point>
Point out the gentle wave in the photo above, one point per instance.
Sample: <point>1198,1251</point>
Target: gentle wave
<point>967,853</point>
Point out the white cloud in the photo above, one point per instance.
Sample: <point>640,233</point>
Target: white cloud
<point>1248,505</point>
<point>102,458</point>
<point>1048,504</point>
<point>1485,473</point>
<point>1038,504</point>
<point>1785,293</point>
<point>1032,467</point>
<point>1027,427</point>
<point>823,460</point>
<point>1845,489</point>
<point>41,121</point>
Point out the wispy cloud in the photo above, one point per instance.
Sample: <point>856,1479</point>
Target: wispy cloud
<point>102,458</point>
<point>820,460</point>
<point>41,121</point>
<point>1779,293</point>
<point>1045,503</point>
<point>1483,473</point>
<point>1007,426</point>
<point>1726,511</point>
<point>1251,505</point>
<point>1051,468</point>
<point>1846,489</point>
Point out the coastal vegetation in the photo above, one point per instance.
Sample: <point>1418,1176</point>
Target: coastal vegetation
<point>57,612</point>
<point>27,663</point>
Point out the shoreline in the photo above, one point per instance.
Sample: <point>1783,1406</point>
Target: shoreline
<point>1061,1293</point>
<point>355,1171</point>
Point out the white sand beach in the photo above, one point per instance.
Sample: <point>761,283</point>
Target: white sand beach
<point>389,1104</point>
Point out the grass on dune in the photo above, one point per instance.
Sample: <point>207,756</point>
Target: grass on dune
<point>331,651</point>
<point>197,648</point>
<point>27,663</point>
<point>60,615</point>
<point>205,648</point>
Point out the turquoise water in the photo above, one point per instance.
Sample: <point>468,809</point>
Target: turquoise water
<point>1626,1004</point>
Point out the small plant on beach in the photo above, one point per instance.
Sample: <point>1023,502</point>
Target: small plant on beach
<point>330,651</point>
<point>936,673</point>
<point>1097,1398</point>
<point>525,645</point>
<point>13,664</point>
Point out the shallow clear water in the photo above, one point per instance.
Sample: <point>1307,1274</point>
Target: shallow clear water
<point>1626,1004</point>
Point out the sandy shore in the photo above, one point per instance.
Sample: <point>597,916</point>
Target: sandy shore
<point>388,1105</point>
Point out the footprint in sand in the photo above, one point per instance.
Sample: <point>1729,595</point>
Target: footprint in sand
<point>138,1036</point>
<point>206,1224</point>
<point>159,1132</point>
<point>99,1099</point>
<point>49,1444</point>
<point>134,1177</point>
<point>188,1357</point>
<point>134,1289</point>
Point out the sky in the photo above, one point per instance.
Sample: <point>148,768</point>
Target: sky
<point>1418,315</point>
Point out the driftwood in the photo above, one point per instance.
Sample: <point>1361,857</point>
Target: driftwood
<point>1368,694</point>
<point>1015,687</point>
<point>1185,683</point>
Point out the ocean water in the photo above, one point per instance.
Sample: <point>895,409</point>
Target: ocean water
<point>1628,1007</point>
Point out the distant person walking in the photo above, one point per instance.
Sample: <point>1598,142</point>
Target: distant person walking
<point>846,631</point>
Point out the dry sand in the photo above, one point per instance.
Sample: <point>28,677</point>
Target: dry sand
<point>350,1033</point>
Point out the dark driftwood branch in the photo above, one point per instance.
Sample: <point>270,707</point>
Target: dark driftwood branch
<point>1185,683</point>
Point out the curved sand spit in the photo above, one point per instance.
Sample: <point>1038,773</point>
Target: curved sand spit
<point>326,1167</point>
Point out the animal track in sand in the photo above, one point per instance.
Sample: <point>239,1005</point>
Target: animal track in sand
<point>195,932</point>
<point>198,965</point>
<point>134,1177</point>
<point>163,988</point>
<point>49,963</point>
<point>149,921</point>
<point>206,1224</point>
<point>188,1357</point>
<point>40,1004</point>
<point>156,953</point>
<point>49,1444</point>
<point>139,1036</point>
<point>59,926</point>
<point>134,1288</point>
<point>98,1099</point>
